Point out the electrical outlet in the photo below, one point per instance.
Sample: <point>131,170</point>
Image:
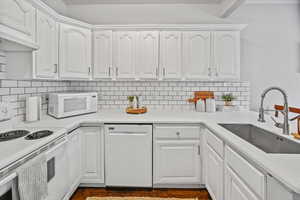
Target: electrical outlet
<point>5,111</point>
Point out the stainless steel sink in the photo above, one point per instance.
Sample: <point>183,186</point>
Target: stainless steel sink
<point>262,139</point>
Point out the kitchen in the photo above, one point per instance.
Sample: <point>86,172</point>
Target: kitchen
<point>184,99</point>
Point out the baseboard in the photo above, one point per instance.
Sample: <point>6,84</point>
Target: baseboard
<point>178,186</point>
<point>99,185</point>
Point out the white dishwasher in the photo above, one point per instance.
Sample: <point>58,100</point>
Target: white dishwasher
<point>128,155</point>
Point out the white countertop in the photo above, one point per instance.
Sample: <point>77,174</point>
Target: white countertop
<point>284,167</point>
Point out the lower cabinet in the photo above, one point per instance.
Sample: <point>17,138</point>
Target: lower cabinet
<point>92,155</point>
<point>74,152</point>
<point>176,156</point>
<point>235,188</point>
<point>214,174</point>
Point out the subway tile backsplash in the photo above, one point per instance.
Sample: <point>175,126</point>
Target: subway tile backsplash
<point>169,95</point>
<point>16,92</point>
<point>158,95</point>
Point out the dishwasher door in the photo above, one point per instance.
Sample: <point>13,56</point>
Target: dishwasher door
<point>128,155</point>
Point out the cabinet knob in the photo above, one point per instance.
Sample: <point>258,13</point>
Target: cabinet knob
<point>178,133</point>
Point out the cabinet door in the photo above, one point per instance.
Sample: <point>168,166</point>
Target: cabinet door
<point>214,174</point>
<point>75,159</point>
<point>75,52</point>
<point>93,155</point>
<point>125,54</point>
<point>18,15</point>
<point>276,191</point>
<point>170,54</point>
<point>176,162</point>
<point>196,54</point>
<point>235,189</point>
<point>103,54</point>
<point>147,55</point>
<point>47,55</point>
<point>226,55</point>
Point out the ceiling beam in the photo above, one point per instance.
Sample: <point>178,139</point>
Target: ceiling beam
<point>229,6</point>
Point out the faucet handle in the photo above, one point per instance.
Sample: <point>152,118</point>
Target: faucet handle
<point>277,124</point>
<point>294,118</point>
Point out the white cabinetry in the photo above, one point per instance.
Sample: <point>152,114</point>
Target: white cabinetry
<point>74,152</point>
<point>226,55</point>
<point>103,67</point>
<point>196,55</point>
<point>74,52</point>
<point>214,174</point>
<point>147,55</point>
<point>177,153</point>
<point>250,183</point>
<point>235,188</point>
<point>46,65</point>
<point>93,155</point>
<point>214,166</point>
<point>17,21</point>
<point>124,53</point>
<point>170,54</point>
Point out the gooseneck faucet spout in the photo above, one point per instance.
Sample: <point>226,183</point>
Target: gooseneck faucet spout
<point>285,112</point>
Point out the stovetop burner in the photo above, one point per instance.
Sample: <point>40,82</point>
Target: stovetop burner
<point>10,135</point>
<point>38,135</point>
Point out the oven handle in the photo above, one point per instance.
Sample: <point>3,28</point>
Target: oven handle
<point>8,179</point>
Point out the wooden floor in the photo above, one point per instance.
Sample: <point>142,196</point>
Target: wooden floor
<point>83,193</point>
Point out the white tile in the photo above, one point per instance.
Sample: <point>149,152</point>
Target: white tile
<point>9,83</point>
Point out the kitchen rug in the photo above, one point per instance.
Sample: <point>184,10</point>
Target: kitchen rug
<point>137,198</point>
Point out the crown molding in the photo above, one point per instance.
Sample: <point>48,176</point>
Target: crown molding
<point>273,2</point>
<point>186,27</point>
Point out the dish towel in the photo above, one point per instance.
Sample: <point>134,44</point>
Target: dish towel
<point>32,179</point>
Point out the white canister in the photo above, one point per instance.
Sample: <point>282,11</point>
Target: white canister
<point>200,107</point>
<point>33,109</point>
<point>210,105</point>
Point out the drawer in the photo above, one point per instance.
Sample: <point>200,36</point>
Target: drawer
<point>176,132</point>
<point>215,143</point>
<point>249,174</point>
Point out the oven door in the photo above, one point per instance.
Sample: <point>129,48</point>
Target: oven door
<point>75,104</point>
<point>57,170</point>
<point>8,188</point>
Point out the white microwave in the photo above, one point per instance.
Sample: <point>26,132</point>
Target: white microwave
<point>69,104</point>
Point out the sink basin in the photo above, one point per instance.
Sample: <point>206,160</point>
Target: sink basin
<point>10,135</point>
<point>262,139</point>
<point>38,135</point>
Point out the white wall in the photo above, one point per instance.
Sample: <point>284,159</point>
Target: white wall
<point>271,50</point>
<point>145,13</point>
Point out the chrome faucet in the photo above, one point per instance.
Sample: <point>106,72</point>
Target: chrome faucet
<point>285,125</point>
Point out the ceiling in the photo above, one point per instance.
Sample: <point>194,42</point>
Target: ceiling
<point>71,2</point>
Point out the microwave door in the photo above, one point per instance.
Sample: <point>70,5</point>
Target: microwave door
<point>75,105</point>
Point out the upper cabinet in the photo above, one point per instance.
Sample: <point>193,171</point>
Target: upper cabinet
<point>46,65</point>
<point>196,55</point>
<point>170,54</point>
<point>103,67</point>
<point>74,52</point>
<point>124,53</point>
<point>147,55</point>
<point>226,55</point>
<point>17,22</point>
